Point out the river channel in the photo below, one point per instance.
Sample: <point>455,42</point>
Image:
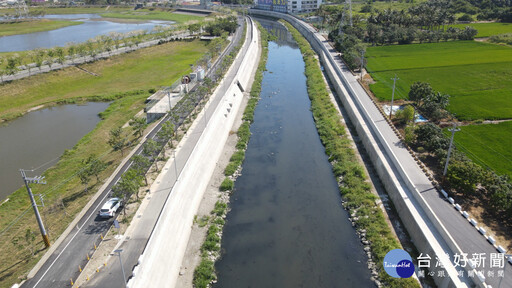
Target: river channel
<point>91,28</point>
<point>286,226</point>
<point>41,136</point>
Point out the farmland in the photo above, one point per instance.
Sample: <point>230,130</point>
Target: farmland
<point>488,145</point>
<point>488,29</point>
<point>476,75</point>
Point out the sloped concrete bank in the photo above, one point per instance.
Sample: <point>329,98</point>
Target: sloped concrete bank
<point>427,232</point>
<point>160,263</point>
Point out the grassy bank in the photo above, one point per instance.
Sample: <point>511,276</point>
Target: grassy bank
<point>204,274</point>
<point>146,14</point>
<point>354,185</point>
<point>25,27</point>
<point>65,196</point>
<point>123,79</point>
<point>143,69</point>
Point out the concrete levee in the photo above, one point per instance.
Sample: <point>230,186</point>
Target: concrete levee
<point>427,232</point>
<point>166,247</point>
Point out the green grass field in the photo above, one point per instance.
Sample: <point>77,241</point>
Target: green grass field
<point>7,29</point>
<point>488,145</point>
<point>488,29</point>
<point>142,69</point>
<point>144,14</point>
<point>477,75</point>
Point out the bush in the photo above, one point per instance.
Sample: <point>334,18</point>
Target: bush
<point>465,18</point>
<point>227,184</point>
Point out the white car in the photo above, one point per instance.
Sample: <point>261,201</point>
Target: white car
<point>110,207</point>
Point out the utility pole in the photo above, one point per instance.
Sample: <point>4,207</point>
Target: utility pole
<point>169,96</point>
<point>392,96</point>
<point>362,64</point>
<point>350,11</point>
<point>38,180</point>
<point>453,130</point>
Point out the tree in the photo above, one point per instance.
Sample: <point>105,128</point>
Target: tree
<point>141,164</point>
<point>71,52</point>
<point>208,83</point>
<point>50,54</point>
<point>167,132</point>
<point>464,176</point>
<point>194,28</point>
<point>117,141</point>
<point>406,115</point>
<point>419,92</point>
<point>151,149</point>
<point>129,184</point>
<point>84,176</point>
<point>38,57</point>
<point>95,166</point>
<point>59,52</point>
<point>138,125</point>
<point>12,65</point>
<point>434,105</point>
<point>2,70</point>
<point>430,137</point>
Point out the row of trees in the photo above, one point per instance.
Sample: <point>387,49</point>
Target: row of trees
<point>425,22</point>
<point>107,43</point>
<point>134,178</point>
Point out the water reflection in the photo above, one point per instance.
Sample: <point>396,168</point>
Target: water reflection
<point>41,136</point>
<point>286,227</point>
<point>77,33</point>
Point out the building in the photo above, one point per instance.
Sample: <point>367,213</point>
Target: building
<point>289,6</point>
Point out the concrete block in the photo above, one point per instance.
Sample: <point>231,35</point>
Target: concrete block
<point>457,206</point>
<point>465,214</point>
<point>141,257</point>
<point>501,249</point>
<point>444,193</point>
<point>491,240</point>
<point>473,222</point>
<point>482,230</point>
<point>451,200</point>
<point>510,260</point>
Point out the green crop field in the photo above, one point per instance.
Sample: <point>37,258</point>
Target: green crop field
<point>478,76</point>
<point>24,27</point>
<point>488,145</point>
<point>488,29</point>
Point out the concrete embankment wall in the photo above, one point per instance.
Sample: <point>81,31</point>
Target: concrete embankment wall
<point>425,229</point>
<point>162,258</point>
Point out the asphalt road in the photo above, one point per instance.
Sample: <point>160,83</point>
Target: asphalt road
<point>62,265</point>
<point>465,235</point>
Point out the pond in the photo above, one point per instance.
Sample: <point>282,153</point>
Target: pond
<point>286,226</point>
<point>91,28</point>
<point>41,136</point>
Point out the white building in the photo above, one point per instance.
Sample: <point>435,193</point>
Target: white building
<point>303,6</point>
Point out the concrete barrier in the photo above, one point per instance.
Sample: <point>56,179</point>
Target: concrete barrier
<point>166,247</point>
